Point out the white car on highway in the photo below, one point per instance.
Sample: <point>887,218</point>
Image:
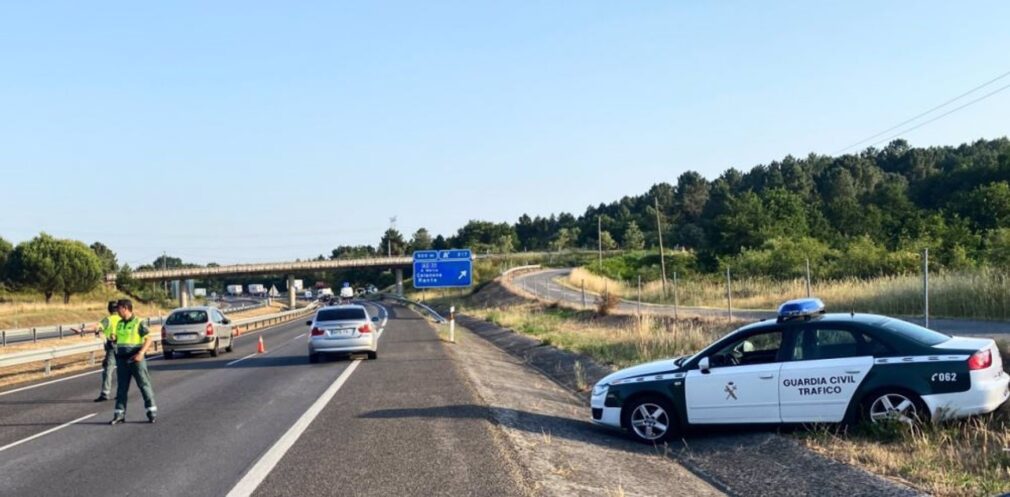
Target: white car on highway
<point>343,329</point>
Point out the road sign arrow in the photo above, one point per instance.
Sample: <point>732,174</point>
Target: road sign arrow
<point>462,274</point>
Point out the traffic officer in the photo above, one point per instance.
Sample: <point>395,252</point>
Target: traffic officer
<point>107,327</point>
<point>132,341</point>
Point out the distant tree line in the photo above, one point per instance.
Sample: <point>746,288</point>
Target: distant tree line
<point>858,215</point>
<point>54,266</point>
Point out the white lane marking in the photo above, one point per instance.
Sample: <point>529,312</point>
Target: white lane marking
<point>44,433</point>
<point>29,387</point>
<point>236,361</point>
<point>252,479</point>
<point>297,337</point>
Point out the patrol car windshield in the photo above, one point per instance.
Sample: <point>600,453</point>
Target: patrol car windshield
<point>914,332</point>
<point>187,317</point>
<point>346,314</point>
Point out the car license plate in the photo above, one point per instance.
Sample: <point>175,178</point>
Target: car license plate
<point>342,333</point>
<point>185,336</point>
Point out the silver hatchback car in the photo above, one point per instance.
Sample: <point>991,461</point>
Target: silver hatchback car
<point>343,329</point>
<point>196,329</point>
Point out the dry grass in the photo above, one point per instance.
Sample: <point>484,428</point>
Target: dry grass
<point>274,307</point>
<point>981,294</point>
<point>969,457</point>
<point>618,340</point>
<point>28,314</point>
<point>961,458</point>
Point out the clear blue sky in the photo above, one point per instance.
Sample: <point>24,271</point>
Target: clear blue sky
<point>251,131</point>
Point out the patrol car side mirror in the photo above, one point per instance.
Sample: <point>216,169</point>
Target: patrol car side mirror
<point>703,365</point>
<point>375,319</point>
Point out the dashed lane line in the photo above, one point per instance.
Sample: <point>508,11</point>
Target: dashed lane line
<point>255,476</point>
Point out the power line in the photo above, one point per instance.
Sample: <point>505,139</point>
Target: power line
<point>945,114</point>
<point>917,116</point>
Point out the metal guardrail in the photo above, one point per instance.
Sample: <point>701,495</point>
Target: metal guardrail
<point>66,330</point>
<point>510,273</point>
<point>50,353</point>
<point>432,312</point>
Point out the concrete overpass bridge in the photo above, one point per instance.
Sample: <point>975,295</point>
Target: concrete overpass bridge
<point>290,269</point>
<point>273,268</point>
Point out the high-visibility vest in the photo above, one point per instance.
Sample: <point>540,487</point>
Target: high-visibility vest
<point>128,332</point>
<point>108,325</point>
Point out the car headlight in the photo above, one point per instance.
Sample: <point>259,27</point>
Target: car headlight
<point>600,389</point>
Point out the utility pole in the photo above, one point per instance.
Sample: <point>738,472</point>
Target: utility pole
<point>676,298</point>
<point>808,277</point>
<point>925,284</point>
<point>599,238</point>
<point>662,256</point>
<point>729,294</point>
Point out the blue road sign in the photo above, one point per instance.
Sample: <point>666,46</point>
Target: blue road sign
<point>443,268</point>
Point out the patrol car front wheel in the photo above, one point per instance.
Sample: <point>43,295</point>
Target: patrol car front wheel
<point>650,420</point>
<point>895,406</point>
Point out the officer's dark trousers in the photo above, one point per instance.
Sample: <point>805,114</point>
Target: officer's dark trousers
<point>137,371</point>
<point>108,367</point>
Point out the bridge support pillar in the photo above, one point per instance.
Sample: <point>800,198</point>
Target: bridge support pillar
<point>292,292</point>
<point>399,282</point>
<point>184,296</point>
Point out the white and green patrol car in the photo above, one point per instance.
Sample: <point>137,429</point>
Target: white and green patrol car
<point>807,367</point>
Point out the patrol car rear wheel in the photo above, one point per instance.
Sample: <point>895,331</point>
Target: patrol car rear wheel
<point>895,407</point>
<point>650,420</point>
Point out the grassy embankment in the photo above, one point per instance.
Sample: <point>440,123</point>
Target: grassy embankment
<point>981,294</point>
<point>969,457</point>
<point>25,310</point>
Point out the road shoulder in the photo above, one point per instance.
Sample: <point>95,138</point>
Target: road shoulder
<point>546,425</point>
<point>737,462</point>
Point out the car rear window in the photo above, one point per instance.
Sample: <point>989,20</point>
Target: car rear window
<point>187,317</point>
<point>914,332</point>
<point>348,314</point>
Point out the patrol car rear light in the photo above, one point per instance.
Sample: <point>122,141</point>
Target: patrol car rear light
<point>210,329</point>
<point>980,360</point>
<point>365,328</point>
<point>316,332</point>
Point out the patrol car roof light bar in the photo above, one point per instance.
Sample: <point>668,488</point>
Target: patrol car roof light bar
<point>800,308</point>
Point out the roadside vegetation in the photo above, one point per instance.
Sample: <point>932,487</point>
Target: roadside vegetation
<point>980,293</point>
<point>618,340</point>
<point>966,457</point>
<point>25,310</point>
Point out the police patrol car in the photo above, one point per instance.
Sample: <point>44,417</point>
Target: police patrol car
<point>807,366</point>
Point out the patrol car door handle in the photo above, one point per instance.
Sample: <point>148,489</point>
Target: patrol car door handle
<point>766,376</point>
<point>853,371</point>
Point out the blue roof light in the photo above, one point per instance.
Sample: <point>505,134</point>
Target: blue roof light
<point>800,308</point>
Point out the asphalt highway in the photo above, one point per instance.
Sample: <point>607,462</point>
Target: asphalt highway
<point>270,424</point>
<point>544,284</point>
